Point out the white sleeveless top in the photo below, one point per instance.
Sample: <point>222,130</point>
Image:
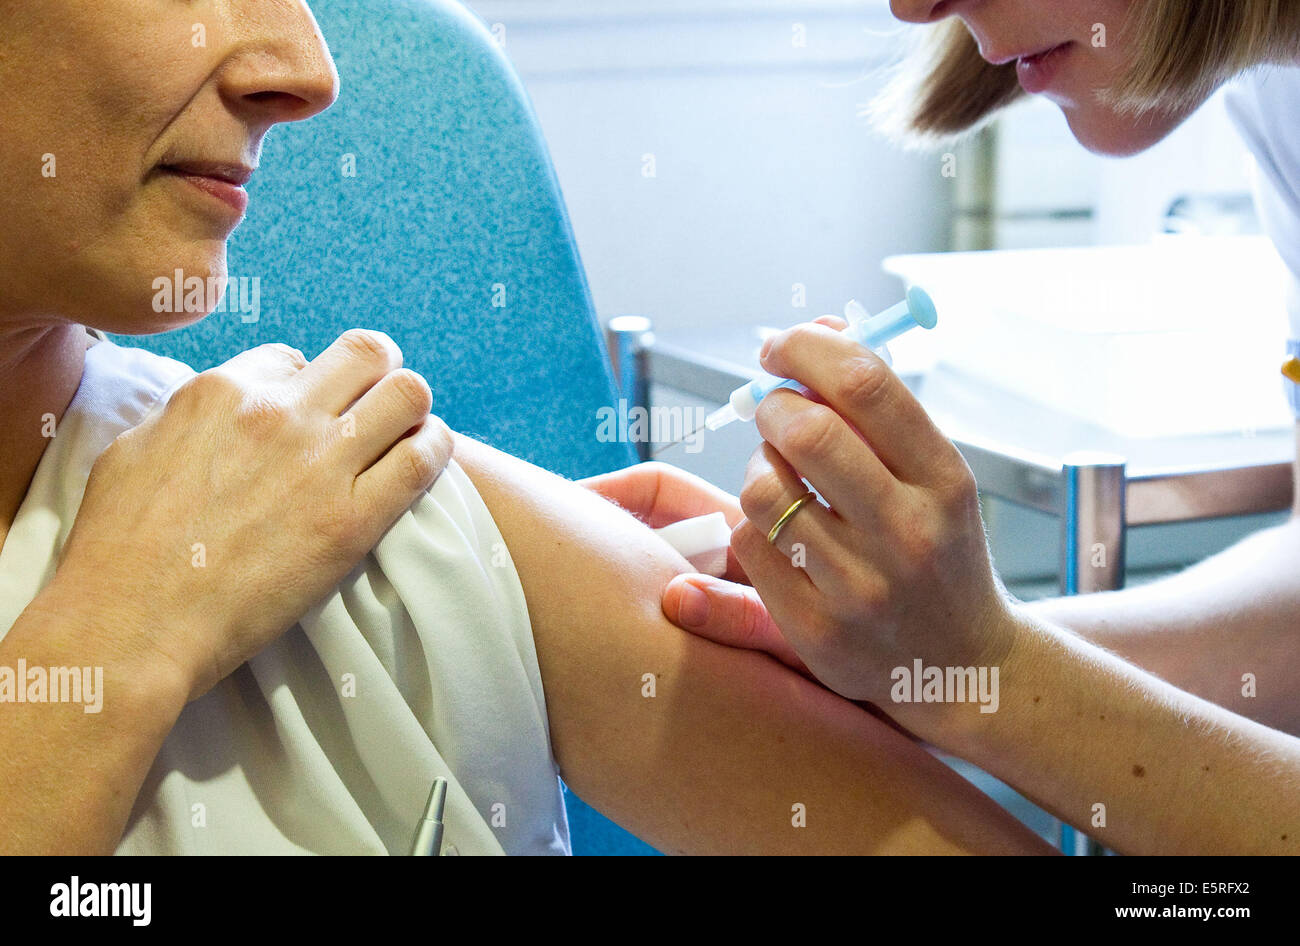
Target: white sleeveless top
<point>281,757</point>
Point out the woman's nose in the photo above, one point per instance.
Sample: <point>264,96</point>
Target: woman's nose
<point>920,11</point>
<point>285,72</point>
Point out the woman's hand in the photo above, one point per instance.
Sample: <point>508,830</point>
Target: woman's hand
<point>211,527</point>
<point>897,568</point>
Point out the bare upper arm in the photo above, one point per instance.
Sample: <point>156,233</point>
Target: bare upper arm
<point>695,746</point>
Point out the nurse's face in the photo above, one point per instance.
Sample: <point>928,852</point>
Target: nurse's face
<point>1066,50</point>
<point>128,129</point>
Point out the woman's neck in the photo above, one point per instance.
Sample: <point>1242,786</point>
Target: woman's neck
<point>40,370</point>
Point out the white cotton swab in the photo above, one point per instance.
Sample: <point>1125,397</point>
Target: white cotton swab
<point>702,541</point>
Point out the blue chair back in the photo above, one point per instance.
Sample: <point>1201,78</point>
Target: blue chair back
<point>424,204</point>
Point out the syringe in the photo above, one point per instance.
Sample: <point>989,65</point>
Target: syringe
<point>873,332</point>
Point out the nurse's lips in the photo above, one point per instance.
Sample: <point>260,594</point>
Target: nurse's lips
<point>224,182</point>
<point>1036,72</point>
<point>1035,68</point>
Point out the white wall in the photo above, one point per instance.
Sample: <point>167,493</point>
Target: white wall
<point>765,176</point>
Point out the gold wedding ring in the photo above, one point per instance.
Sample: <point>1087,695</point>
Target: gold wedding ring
<point>787,516</point>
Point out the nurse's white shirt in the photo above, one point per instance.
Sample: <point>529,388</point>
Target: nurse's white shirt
<point>1265,105</point>
<point>431,631</point>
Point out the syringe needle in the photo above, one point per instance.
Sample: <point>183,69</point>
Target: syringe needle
<point>916,311</point>
<point>677,443</point>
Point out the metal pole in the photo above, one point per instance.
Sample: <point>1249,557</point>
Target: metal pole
<point>629,339</point>
<point>1093,525</point>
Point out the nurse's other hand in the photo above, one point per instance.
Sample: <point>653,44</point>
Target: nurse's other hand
<point>660,494</point>
<point>213,526</point>
<point>897,568</point>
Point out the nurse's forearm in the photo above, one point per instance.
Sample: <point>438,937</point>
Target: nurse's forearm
<point>68,777</point>
<point>1227,629</point>
<point>691,745</point>
<point>1141,765</point>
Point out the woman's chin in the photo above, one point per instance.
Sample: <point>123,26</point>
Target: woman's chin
<point>171,291</point>
<point>172,302</point>
<point>142,323</point>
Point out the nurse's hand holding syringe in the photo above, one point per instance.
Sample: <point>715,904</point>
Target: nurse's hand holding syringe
<point>704,540</point>
<point>661,495</point>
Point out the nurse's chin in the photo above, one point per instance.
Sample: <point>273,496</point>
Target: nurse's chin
<point>1108,132</point>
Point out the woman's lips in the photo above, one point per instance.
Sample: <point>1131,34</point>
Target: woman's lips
<point>229,193</point>
<point>1037,72</point>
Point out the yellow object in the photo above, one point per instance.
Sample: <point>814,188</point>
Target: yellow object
<point>1291,368</point>
<point>787,516</point>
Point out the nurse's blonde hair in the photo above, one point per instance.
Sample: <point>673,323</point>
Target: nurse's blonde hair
<point>1182,51</point>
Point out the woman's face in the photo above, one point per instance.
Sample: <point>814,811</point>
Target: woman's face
<point>106,104</point>
<point>1086,49</point>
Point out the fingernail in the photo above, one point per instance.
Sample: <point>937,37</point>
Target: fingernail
<point>693,606</point>
<point>767,347</point>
